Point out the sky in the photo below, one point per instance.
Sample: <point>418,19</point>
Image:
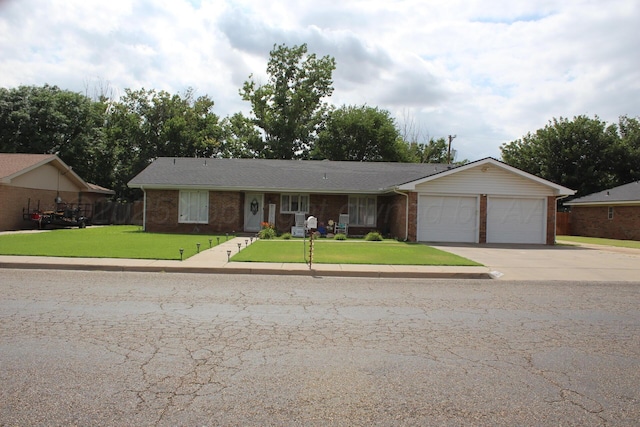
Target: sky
<point>486,71</point>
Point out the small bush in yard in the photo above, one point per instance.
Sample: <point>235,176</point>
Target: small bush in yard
<point>286,236</point>
<point>373,236</point>
<point>340,236</point>
<point>267,233</point>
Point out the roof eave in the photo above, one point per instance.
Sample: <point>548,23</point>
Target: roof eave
<point>605,203</point>
<point>257,189</point>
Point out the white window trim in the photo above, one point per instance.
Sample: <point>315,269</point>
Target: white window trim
<point>184,213</point>
<point>375,212</point>
<point>610,211</point>
<point>287,209</point>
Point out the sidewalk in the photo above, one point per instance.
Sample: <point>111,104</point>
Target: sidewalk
<point>215,261</point>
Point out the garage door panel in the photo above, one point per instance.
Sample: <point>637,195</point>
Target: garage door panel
<point>516,220</point>
<point>447,219</point>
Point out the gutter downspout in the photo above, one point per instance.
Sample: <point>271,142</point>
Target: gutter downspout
<point>406,214</point>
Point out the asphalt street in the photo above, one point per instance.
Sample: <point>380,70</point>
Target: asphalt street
<point>123,348</point>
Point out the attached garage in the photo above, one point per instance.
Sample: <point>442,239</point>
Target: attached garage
<point>483,202</point>
<point>516,220</point>
<point>448,218</point>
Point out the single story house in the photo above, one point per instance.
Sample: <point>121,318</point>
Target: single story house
<point>611,214</point>
<point>40,181</point>
<point>485,201</point>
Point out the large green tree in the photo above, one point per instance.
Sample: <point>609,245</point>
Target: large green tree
<point>627,161</point>
<point>144,125</point>
<point>289,108</point>
<point>50,120</point>
<point>360,133</point>
<point>581,154</point>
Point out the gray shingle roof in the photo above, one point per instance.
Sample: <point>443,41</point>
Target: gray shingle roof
<point>623,193</point>
<point>281,175</point>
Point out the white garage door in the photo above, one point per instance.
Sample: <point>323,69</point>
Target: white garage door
<point>516,220</point>
<point>447,219</point>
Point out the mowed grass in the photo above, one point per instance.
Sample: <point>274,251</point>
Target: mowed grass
<point>105,242</point>
<point>389,252</point>
<point>599,241</point>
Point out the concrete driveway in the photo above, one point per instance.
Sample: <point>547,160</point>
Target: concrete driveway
<point>562,262</point>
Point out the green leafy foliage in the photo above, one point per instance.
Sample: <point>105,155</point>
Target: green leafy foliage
<point>360,134</point>
<point>584,154</point>
<point>340,236</point>
<point>373,236</point>
<point>289,108</point>
<point>49,120</point>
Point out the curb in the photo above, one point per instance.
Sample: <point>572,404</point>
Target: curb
<point>251,271</point>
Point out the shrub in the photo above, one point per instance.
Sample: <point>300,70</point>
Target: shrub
<point>286,236</point>
<point>373,236</point>
<point>340,236</point>
<point>267,233</point>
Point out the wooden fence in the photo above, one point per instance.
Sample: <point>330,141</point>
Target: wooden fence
<point>563,223</point>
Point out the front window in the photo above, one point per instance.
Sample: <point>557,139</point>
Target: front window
<point>292,203</point>
<point>194,207</point>
<point>362,211</point>
<point>610,213</point>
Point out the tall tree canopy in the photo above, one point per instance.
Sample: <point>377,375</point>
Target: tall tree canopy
<point>289,108</point>
<point>584,154</point>
<point>146,124</point>
<point>49,120</point>
<point>361,134</point>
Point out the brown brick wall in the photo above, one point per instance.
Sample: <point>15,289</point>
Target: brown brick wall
<point>14,199</point>
<point>551,220</point>
<point>226,213</point>
<point>482,237</point>
<point>413,217</point>
<point>392,216</point>
<point>592,221</point>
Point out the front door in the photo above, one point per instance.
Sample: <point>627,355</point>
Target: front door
<point>253,211</point>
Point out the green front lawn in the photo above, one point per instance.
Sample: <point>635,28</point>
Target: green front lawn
<point>598,241</point>
<point>132,242</point>
<point>105,242</point>
<point>388,252</point>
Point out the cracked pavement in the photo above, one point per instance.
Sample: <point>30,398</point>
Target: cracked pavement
<point>105,348</point>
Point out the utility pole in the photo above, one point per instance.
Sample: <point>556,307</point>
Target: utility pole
<point>449,151</point>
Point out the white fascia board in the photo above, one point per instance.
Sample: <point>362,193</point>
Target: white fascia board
<point>559,189</point>
<point>606,203</point>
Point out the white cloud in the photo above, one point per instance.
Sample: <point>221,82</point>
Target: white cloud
<point>488,71</point>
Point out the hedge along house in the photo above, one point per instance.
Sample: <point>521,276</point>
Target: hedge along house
<point>612,213</point>
<point>485,201</point>
<point>32,181</point>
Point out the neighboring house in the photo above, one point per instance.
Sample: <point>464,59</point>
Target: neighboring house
<point>32,181</point>
<point>485,201</point>
<point>612,213</point>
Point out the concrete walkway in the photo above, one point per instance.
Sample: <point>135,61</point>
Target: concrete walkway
<point>215,260</point>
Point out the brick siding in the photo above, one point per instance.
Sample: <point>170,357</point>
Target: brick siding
<point>592,221</point>
<point>551,220</point>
